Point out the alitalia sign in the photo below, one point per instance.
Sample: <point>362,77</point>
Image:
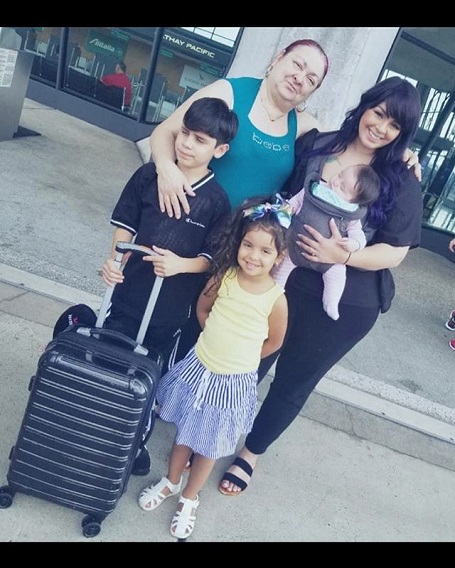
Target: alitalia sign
<point>106,45</point>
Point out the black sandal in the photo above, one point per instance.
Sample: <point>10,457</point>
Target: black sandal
<point>232,478</point>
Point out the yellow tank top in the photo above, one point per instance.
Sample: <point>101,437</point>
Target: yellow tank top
<point>236,328</point>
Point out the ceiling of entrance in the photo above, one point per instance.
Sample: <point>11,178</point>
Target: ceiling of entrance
<point>427,56</point>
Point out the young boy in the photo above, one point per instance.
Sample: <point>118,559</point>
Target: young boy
<point>180,248</point>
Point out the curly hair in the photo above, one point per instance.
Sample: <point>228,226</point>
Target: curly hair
<point>227,241</point>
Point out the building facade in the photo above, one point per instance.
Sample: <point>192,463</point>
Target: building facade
<point>163,65</point>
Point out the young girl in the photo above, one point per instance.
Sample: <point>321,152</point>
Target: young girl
<point>211,394</point>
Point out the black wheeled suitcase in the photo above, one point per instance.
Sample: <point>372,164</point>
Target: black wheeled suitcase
<point>89,405</point>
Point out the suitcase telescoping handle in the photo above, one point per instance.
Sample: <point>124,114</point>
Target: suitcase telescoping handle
<point>121,248</point>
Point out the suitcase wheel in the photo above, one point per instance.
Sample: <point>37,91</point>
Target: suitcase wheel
<point>6,497</point>
<point>90,526</point>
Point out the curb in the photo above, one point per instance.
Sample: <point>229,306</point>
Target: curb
<point>49,288</point>
<point>343,400</point>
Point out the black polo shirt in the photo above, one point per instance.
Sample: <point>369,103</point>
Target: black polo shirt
<point>138,212</point>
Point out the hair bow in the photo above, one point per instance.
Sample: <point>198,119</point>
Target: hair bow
<point>282,210</point>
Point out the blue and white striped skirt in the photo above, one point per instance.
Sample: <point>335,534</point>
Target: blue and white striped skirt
<point>211,410</point>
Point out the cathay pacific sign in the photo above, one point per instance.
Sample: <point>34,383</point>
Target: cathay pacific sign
<point>106,45</point>
<point>193,47</point>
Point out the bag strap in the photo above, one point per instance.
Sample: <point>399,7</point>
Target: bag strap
<point>295,181</point>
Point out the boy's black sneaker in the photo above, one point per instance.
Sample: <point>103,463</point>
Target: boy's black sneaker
<point>142,464</point>
<point>450,324</point>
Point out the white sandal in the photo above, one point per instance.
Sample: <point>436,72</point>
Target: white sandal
<point>152,496</point>
<point>182,524</point>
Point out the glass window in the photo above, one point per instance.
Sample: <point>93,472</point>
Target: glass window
<point>140,73</point>
<point>226,36</point>
<point>185,63</point>
<point>109,65</point>
<point>45,44</point>
<point>426,56</point>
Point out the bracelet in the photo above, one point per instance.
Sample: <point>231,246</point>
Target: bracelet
<point>347,260</point>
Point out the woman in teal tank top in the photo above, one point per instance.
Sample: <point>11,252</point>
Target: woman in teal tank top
<point>261,156</point>
<point>274,155</point>
<point>271,117</point>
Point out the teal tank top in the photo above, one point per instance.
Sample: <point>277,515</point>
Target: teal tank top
<point>256,163</point>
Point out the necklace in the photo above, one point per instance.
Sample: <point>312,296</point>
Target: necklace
<point>271,118</point>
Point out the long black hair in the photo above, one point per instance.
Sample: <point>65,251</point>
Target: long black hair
<point>402,102</point>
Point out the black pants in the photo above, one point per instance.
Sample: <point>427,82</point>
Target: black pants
<point>161,339</point>
<point>266,364</point>
<point>314,343</point>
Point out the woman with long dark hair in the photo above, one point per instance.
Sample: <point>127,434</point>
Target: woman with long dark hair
<point>376,132</point>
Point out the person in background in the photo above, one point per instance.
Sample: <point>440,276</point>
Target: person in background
<point>119,79</point>
<point>211,394</point>
<point>180,248</point>
<point>345,198</point>
<point>450,323</point>
<point>272,117</point>
<point>376,132</point>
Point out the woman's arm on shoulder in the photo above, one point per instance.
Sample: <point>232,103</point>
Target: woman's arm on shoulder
<point>172,184</point>
<point>411,159</point>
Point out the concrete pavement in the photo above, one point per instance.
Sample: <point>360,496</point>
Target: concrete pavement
<point>371,458</point>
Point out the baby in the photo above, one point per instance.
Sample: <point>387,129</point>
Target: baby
<point>344,198</point>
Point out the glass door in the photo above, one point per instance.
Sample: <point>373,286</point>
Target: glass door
<point>426,57</point>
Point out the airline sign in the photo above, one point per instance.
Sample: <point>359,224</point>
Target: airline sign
<point>195,48</point>
<point>106,45</point>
